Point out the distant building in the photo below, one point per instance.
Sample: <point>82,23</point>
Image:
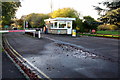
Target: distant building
<point>59,25</point>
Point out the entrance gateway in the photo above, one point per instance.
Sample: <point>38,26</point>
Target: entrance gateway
<point>59,25</point>
<point>6,31</point>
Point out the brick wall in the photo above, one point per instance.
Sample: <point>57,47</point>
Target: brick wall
<point>57,31</point>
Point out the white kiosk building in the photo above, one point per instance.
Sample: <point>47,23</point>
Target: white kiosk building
<point>59,25</point>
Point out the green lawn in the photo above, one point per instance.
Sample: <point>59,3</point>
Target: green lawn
<point>108,32</point>
<point>100,35</point>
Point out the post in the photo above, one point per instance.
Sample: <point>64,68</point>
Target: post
<point>39,36</point>
<point>34,34</point>
<point>24,24</point>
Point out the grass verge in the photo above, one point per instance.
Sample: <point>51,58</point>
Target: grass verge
<point>108,32</point>
<point>100,35</point>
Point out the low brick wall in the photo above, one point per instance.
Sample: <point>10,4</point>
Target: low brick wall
<point>57,31</point>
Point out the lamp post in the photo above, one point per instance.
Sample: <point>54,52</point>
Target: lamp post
<point>51,6</point>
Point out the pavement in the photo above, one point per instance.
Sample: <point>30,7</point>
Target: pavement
<point>8,71</point>
<point>61,56</point>
<point>0,56</point>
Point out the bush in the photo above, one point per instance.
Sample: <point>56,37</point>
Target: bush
<point>107,27</point>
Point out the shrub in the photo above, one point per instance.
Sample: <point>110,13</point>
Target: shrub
<point>107,27</point>
<point>113,27</point>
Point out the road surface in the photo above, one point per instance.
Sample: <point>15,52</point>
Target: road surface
<point>60,56</point>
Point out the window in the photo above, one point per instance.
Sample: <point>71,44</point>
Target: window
<point>55,25</point>
<point>68,24</point>
<point>62,24</point>
<point>51,25</point>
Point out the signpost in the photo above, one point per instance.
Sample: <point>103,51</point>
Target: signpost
<point>25,24</point>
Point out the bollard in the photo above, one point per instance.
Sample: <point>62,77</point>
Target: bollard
<point>39,36</point>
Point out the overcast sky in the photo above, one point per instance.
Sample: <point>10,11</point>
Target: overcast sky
<point>84,7</point>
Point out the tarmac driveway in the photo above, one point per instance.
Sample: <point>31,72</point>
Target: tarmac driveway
<point>67,57</point>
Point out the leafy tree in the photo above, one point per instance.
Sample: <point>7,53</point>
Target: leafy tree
<point>89,23</point>
<point>107,27</point>
<point>78,25</point>
<point>36,20</point>
<point>112,12</point>
<point>71,13</point>
<point>99,9</point>
<point>112,17</point>
<point>65,12</point>
<point>112,5</point>
<point>20,22</point>
<point>8,11</point>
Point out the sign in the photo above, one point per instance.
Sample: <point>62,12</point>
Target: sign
<point>26,24</point>
<point>93,31</point>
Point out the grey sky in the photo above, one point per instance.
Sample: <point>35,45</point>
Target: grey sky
<point>84,7</point>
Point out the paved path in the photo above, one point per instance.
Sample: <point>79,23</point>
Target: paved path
<point>58,60</point>
<point>9,70</point>
<point>0,55</point>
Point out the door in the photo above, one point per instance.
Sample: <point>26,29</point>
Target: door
<point>69,27</point>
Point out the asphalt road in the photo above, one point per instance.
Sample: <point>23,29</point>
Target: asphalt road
<point>100,46</point>
<point>60,56</point>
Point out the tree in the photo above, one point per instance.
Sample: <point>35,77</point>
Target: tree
<point>8,11</point>
<point>112,12</point>
<point>111,5</point>
<point>90,23</point>
<point>20,22</point>
<point>78,25</point>
<point>112,17</point>
<point>71,13</point>
<point>65,12</point>
<point>36,20</point>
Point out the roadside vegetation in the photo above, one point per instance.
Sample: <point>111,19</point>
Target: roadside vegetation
<point>8,13</point>
<point>99,35</point>
<point>108,32</point>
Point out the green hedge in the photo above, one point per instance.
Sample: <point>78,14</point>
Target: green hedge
<point>107,27</point>
<point>108,32</point>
